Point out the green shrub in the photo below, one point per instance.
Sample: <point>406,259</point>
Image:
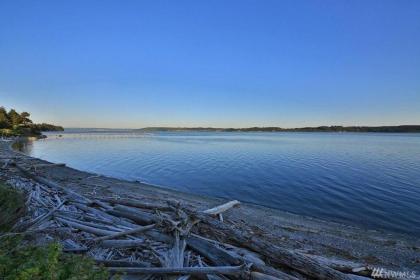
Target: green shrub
<point>20,261</point>
<point>12,207</point>
<point>23,262</point>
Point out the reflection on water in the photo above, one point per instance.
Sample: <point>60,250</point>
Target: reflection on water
<point>371,180</point>
<point>23,145</point>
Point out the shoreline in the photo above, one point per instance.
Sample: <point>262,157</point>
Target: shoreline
<point>320,238</point>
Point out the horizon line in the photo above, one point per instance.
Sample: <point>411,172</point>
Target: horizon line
<point>245,127</point>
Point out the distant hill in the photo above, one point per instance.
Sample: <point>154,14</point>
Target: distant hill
<point>389,129</point>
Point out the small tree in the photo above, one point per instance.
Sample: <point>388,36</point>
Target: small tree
<point>14,117</point>
<point>25,120</point>
<point>4,118</point>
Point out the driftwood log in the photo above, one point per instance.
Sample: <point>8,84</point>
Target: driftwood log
<point>96,231</point>
<point>137,204</point>
<point>228,270</point>
<point>40,219</point>
<point>124,233</point>
<point>50,184</point>
<point>222,208</point>
<point>136,215</point>
<point>118,263</point>
<point>118,244</point>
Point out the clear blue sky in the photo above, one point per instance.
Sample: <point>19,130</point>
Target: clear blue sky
<point>212,63</point>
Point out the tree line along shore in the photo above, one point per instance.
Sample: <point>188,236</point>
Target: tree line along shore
<point>386,129</point>
<point>13,123</point>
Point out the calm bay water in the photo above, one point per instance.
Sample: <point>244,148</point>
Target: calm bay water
<point>370,180</point>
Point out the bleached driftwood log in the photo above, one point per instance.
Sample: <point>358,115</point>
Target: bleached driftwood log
<point>102,204</point>
<point>114,228</point>
<point>50,183</point>
<point>137,204</point>
<point>136,215</point>
<point>42,218</point>
<point>118,263</point>
<point>222,208</point>
<point>236,252</point>
<point>118,244</point>
<point>216,255</point>
<point>344,266</point>
<point>219,256</point>
<point>102,215</point>
<point>261,276</point>
<point>227,270</point>
<point>175,256</point>
<point>268,270</point>
<point>93,230</point>
<point>124,233</point>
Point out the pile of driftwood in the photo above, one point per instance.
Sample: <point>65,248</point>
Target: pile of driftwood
<point>149,239</point>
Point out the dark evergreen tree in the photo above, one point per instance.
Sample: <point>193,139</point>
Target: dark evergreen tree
<point>4,118</point>
<point>14,117</point>
<point>25,120</point>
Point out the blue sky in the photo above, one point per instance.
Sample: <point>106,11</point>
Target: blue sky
<point>212,63</point>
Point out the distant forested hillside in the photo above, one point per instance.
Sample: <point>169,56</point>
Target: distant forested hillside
<point>13,123</point>
<point>389,129</point>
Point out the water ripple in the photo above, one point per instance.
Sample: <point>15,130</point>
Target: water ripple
<point>371,180</point>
